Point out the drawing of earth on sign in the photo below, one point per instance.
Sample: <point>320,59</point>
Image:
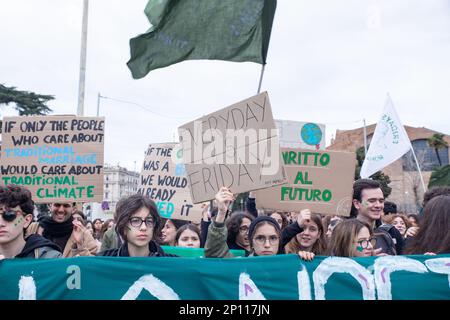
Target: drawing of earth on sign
<point>311,134</point>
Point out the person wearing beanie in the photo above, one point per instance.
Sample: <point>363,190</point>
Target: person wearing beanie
<point>263,233</point>
<point>265,237</point>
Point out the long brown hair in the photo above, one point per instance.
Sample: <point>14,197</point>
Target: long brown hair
<point>433,235</point>
<point>344,237</point>
<point>389,219</point>
<point>319,247</point>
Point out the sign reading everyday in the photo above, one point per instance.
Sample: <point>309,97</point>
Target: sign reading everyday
<point>324,278</point>
<point>58,158</point>
<point>321,181</point>
<point>163,179</point>
<point>235,147</point>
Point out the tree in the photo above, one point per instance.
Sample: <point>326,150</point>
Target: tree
<point>436,141</point>
<point>382,178</point>
<point>26,102</point>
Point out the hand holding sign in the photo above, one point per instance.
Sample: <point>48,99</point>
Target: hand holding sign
<point>303,217</point>
<point>223,199</point>
<point>305,255</point>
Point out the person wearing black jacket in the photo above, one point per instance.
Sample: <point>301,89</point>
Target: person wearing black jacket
<point>16,214</point>
<point>36,246</point>
<point>138,223</point>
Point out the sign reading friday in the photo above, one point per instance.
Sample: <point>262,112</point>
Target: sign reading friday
<point>321,181</point>
<point>163,179</point>
<point>236,147</point>
<point>58,158</point>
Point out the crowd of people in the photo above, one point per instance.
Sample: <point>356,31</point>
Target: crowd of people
<point>374,228</point>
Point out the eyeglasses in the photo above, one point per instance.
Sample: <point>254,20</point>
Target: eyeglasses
<point>65,205</point>
<point>243,229</point>
<point>9,215</point>
<point>365,243</point>
<point>261,240</point>
<point>137,222</point>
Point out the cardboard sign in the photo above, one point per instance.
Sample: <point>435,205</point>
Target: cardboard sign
<point>236,147</point>
<point>163,179</point>
<point>321,181</point>
<point>58,158</point>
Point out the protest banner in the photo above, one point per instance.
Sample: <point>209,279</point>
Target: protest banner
<point>163,179</point>
<point>195,252</point>
<point>290,278</point>
<point>58,158</point>
<point>321,181</point>
<point>236,147</point>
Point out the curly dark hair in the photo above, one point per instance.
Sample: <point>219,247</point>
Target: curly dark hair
<point>13,196</point>
<point>234,222</point>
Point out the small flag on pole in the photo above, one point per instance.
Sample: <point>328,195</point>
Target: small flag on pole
<point>231,30</point>
<point>389,142</point>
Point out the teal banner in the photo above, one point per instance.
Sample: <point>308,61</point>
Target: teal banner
<point>275,277</point>
<point>195,252</point>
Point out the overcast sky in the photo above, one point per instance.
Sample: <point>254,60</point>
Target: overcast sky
<point>329,62</point>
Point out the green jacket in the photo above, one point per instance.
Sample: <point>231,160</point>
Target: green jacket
<point>216,241</point>
<point>110,240</point>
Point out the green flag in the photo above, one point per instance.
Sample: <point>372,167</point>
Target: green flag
<point>232,30</point>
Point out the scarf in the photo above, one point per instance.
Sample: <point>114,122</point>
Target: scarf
<point>53,229</point>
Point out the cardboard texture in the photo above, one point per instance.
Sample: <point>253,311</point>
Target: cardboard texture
<point>321,181</point>
<point>163,179</point>
<point>238,152</point>
<point>58,158</point>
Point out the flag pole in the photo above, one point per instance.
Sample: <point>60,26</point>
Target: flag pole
<point>365,138</point>
<point>418,168</point>
<point>261,78</point>
<point>81,83</point>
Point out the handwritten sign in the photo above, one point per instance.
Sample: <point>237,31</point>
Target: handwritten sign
<point>163,179</point>
<point>236,147</point>
<point>321,181</point>
<point>58,158</point>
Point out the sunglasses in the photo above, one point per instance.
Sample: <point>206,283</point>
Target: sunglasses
<point>9,215</point>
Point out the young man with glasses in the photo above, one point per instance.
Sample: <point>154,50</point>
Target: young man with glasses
<point>70,235</point>
<point>138,223</point>
<point>16,214</point>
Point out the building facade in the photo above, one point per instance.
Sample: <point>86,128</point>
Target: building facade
<point>118,182</point>
<point>407,191</point>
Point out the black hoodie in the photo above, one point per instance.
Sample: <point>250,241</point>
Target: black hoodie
<point>122,251</point>
<point>46,248</point>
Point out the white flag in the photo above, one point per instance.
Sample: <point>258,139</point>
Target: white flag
<point>389,142</point>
